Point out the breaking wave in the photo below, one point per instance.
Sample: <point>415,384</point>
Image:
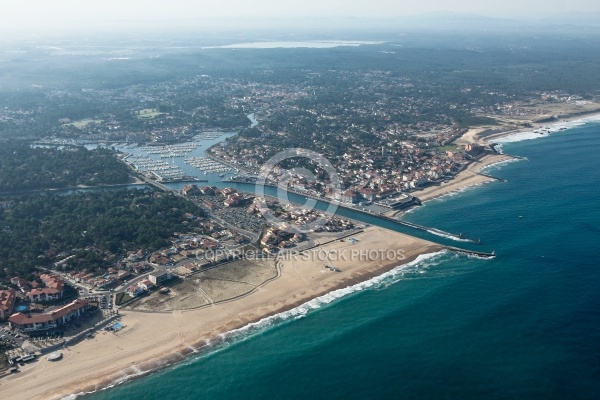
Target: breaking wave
<point>502,163</point>
<point>387,278</point>
<point>220,342</point>
<point>545,130</point>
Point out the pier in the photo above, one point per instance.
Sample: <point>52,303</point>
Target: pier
<point>472,252</point>
<point>412,225</point>
<point>492,177</point>
<point>233,166</point>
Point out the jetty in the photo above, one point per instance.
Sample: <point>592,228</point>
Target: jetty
<point>481,254</point>
<point>412,225</point>
<point>435,231</point>
<point>492,177</point>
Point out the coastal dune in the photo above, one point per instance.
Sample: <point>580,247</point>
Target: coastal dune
<point>150,341</point>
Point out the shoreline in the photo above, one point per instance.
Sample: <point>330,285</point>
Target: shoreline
<point>102,363</point>
<point>568,119</point>
<point>205,345</point>
<point>138,349</point>
<point>471,175</point>
<point>468,177</point>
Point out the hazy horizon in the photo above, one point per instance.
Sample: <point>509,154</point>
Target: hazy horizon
<point>60,15</point>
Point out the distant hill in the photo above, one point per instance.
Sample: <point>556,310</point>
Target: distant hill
<point>591,19</point>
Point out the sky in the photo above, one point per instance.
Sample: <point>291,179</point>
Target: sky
<point>42,14</point>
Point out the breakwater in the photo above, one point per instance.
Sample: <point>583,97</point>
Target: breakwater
<point>435,231</point>
<point>492,177</point>
<point>481,254</point>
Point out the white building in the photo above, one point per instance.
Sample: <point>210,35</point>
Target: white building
<point>159,277</point>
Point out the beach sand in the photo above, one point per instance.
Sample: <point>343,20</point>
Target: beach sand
<point>468,177</point>
<point>150,341</point>
<point>536,118</point>
<point>153,340</point>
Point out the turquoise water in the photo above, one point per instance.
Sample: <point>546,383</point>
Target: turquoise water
<point>523,325</point>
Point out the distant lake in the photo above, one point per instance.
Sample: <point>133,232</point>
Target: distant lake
<point>317,44</point>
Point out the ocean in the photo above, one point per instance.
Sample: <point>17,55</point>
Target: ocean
<point>525,324</point>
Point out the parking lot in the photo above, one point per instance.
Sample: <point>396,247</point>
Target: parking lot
<point>12,339</point>
<point>239,217</point>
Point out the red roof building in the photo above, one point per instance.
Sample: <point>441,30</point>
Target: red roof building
<point>134,290</point>
<point>41,322</point>
<point>54,289</point>
<point>53,281</point>
<point>7,302</point>
<point>350,196</point>
<point>146,284</point>
<point>44,294</point>
<point>190,190</point>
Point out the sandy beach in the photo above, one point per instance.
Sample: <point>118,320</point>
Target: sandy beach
<point>150,341</point>
<point>534,118</point>
<point>486,134</point>
<point>470,176</point>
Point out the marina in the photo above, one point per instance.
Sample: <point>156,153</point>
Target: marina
<point>208,135</point>
<point>176,162</point>
<point>172,150</point>
<point>173,162</point>
<point>160,170</point>
<point>209,165</point>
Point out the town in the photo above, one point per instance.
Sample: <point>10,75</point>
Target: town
<point>71,262</point>
<point>62,305</point>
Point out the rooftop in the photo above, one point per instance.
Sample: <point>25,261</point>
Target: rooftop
<point>23,319</point>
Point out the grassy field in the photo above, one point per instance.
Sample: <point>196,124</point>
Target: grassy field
<point>122,298</point>
<point>148,113</point>
<point>82,123</point>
